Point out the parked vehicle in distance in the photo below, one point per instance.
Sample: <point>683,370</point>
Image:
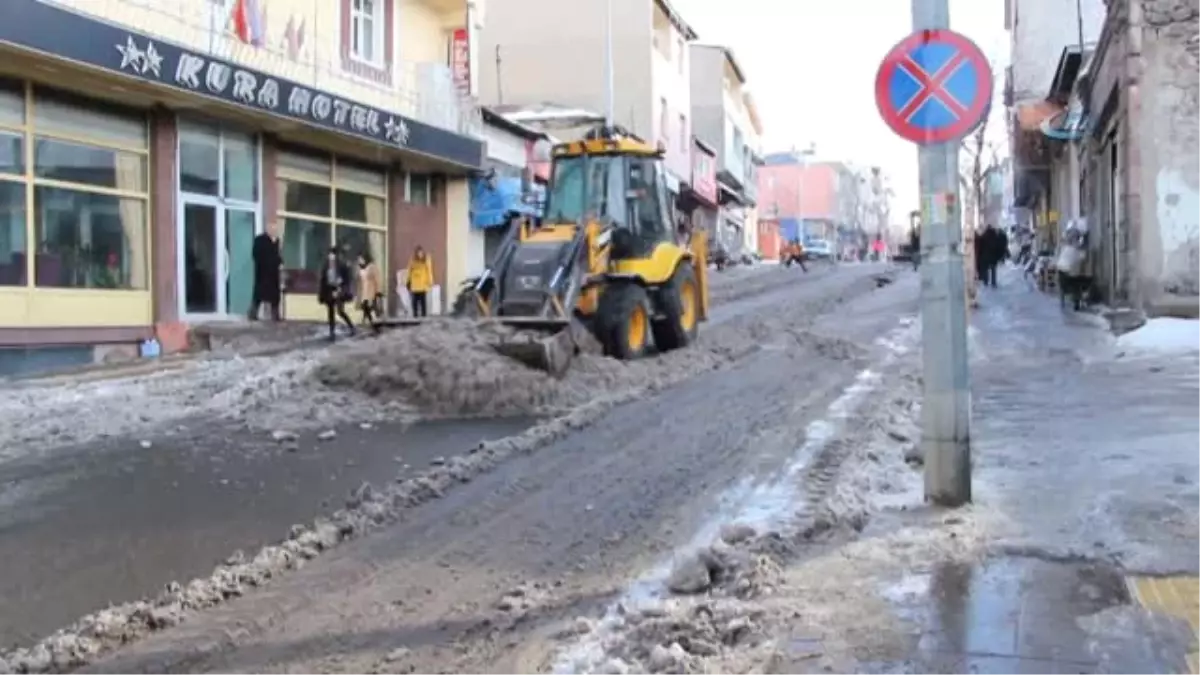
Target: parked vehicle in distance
<point>818,249</point>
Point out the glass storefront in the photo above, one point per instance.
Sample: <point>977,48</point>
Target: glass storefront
<point>74,190</point>
<point>325,202</point>
<point>219,204</point>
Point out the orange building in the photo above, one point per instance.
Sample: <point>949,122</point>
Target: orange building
<point>768,239</point>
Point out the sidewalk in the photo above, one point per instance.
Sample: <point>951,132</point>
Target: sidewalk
<point>1090,457</point>
<point>1079,554</point>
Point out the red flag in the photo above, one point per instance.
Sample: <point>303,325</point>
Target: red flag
<point>241,21</point>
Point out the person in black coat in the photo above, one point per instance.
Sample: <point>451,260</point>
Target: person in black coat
<point>335,291</point>
<point>268,265</point>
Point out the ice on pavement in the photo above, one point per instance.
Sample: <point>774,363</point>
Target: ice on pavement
<point>1163,335</point>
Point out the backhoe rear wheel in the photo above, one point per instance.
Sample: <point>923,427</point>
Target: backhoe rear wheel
<point>623,320</point>
<point>679,303</point>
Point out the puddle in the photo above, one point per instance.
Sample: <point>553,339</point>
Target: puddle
<point>1017,615</point>
<point>114,521</point>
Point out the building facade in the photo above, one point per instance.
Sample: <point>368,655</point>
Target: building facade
<point>540,51</point>
<point>724,121</point>
<point>147,143</point>
<point>1041,35</point>
<point>803,197</point>
<point>1137,156</point>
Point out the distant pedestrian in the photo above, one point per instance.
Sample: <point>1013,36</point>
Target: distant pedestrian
<point>420,282</point>
<point>268,268</point>
<point>914,245</point>
<point>991,249</point>
<point>369,291</point>
<point>334,292</point>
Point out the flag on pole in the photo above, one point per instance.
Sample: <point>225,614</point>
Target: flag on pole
<point>248,22</point>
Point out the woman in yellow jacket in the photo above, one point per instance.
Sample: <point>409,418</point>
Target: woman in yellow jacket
<point>420,281</point>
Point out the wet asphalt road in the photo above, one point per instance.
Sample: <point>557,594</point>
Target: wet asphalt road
<point>578,518</point>
<point>112,521</point>
<point>106,522</point>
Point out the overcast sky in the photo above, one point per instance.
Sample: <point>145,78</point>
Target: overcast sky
<point>811,65</point>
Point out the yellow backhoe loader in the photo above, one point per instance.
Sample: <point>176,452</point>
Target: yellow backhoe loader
<point>604,259</point>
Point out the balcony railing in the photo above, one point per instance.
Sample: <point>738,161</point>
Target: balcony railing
<point>302,48</point>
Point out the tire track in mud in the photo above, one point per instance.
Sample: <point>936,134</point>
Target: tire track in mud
<point>380,506</point>
<point>723,628</point>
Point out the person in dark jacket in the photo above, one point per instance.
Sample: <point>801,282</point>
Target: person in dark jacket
<point>335,291</point>
<point>268,266</point>
<point>993,247</point>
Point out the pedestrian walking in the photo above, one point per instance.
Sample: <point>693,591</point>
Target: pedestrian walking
<point>420,282</point>
<point>334,292</point>
<point>991,245</point>
<point>268,270</point>
<point>369,291</point>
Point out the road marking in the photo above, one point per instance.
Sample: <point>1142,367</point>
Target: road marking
<point>1177,596</point>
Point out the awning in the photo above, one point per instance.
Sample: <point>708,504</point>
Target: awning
<point>730,194</point>
<point>495,200</point>
<point>1066,125</point>
<point>1031,114</point>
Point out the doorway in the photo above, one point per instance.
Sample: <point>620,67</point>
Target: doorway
<point>217,269</point>
<point>219,216</point>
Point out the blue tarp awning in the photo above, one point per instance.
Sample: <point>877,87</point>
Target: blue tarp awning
<point>790,229</point>
<point>494,201</point>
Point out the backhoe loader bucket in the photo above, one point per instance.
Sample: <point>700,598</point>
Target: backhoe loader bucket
<point>544,344</point>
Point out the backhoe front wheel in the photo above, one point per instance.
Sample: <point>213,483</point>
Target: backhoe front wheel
<point>623,320</point>
<point>679,305</point>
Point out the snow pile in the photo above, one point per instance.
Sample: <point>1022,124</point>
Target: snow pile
<point>451,368</point>
<point>264,392</point>
<point>427,362</point>
<point>277,391</point>
<point>1163,335</point>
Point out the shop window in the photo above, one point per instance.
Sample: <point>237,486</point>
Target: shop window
<point>89,165</point>
<point>355,241</point>
<point>360,208</point>
<point>240,164</point>
<point>70,117</point>
<point>13,251</point>
<point>89,240</point>
<point>420,189</point>
<point>305,245</point>
<point>199,161</point>
<point>306,198</point>
<point>12,153</point>
<point>347,209</point>
<point>12,103</point>
<point>84,221</point>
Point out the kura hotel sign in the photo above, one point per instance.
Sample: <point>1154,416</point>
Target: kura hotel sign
<point>216,78</point>
<point>64,34</point>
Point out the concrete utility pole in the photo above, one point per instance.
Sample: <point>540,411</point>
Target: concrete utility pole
<point>946,406</point>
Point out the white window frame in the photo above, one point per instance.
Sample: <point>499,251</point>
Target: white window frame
<point>378,31</point>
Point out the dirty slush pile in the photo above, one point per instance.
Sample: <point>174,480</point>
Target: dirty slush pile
<point>744,602</point>
<point>419,367</point>
<point>267,393</point>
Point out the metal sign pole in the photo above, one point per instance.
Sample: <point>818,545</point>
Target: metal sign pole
<point>946,408</point>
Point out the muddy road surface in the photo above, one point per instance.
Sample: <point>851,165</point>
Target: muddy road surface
<point>111,488</point>
<point>494,572</point>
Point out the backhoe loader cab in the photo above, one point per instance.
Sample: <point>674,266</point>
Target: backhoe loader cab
<point>604,256</point>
